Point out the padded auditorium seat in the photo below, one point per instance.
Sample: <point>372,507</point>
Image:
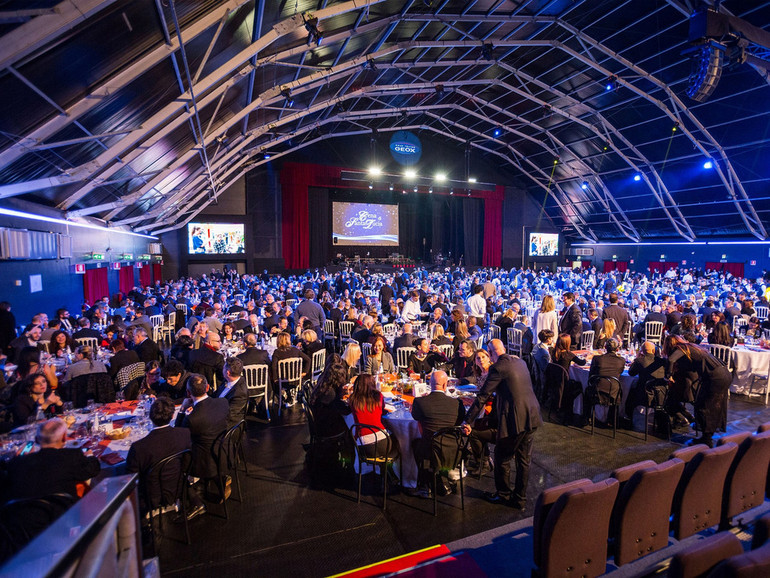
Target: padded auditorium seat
<point>574,537</point>
<point>747,477</point>
<point>752,564</point>
<point>698,499</point>
<point>642,511</point>
<point>704,555</point>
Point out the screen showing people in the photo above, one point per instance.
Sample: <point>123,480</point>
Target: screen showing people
<point>543,244</point>
<point>215,238</point>
<point>364,224</point>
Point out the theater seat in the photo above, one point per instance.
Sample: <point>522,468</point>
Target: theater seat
<point>575,531</point>
<point>642,511</point>
<point>698,499</point>
<point>752,564</point>
<point>543,505</point>
<point>763,428</point>
<point>747,477</point>
<point>761,532</point>
<point>704,555</point>
<point>687,454</point>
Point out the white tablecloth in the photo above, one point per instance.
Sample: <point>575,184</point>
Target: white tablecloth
<point>748,363</point>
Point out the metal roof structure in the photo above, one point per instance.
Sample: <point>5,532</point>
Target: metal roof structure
<point>141,112</point>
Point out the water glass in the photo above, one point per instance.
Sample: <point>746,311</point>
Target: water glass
<point>120,396</point>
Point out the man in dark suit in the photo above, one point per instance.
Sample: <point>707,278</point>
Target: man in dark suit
<point>571,321</point>
<point>252,326</point>
<point>434,412</point>
<point>619,315</point>
<point>651,370</point>
<point>363,333</point>
<point>337,314</point>
<point>162,442</point>
<point>313,312</point>
<point>234,390</point>
<point>731,310</point>
<point>406,339</point>
<point>252,355</point>
<point>85,330</point>
<point>123,357</point>
<point>609,364</point>
<point>386,294</point>
<point>518,416</point>
<point>52,470</point>
<point>206,418</point>
<point>146,349</point>
<point>208,361</point>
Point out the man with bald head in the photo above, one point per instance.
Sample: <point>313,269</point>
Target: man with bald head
<point>518,416</point>
<point>433,412</point>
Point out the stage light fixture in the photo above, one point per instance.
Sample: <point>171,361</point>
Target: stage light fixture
<point>390,188</point>
<point>415,188</point>
<point>469,192</point>
<point>471,179</point>
<point>410,173</point>
<point>451,191</point>
<point>430,190</point>
<point>403,191</point>
<point>266,156</point>
<point>611,84</point>
<point>637,177</point>
<point>584,185</point>
<point>286,93</point>
<point>708,164</point>
<point>498,131</point>
<point>375,170</point>
<point>313,34</point>
<point>371,185</point>
<point>440,177</point>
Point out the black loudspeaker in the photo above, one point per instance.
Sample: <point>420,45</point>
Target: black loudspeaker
<point>334,240</point>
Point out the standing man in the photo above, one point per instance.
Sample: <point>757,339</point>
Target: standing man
<point>571,321</point>
<point>619,315</point>
<point>477,306</point>
<point>518,416</point>
<point>313,312</point>
<point>386,294</point>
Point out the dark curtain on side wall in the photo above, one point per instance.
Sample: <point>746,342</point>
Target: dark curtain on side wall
<point>156,274</point>
<point>295,221</point>
<point>662,266</point>
<point>735,269</point>
<point>95,285</point>
<point>145,276</point>
<point>473,223</point>
<point>126,279</point>
<point>320,226</point>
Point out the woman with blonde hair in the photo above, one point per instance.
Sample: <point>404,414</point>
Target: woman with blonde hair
<point>285,350</point>
<point>608,330</point>
<point>546,317</point>
<point>439,338</point>
<point>506,321</point>
<point>350,358</point>
<point>461,334</point>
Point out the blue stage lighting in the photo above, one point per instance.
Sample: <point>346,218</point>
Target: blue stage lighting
<point>708,165</point>
<point>637,177</point>
<point>584,186</point>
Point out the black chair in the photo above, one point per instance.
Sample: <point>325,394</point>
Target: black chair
<point>656,401</point>
<point>22,520</point>
<point>556,378</point>
<point>448,450</point>
<point>165,484</point>
<point>379,459</point>
<point>96,386</point>
<point>228,452</point>
<point>604,390</point>
<point>338,440</point>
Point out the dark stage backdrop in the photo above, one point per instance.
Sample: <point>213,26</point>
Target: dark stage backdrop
<point>427,225</point>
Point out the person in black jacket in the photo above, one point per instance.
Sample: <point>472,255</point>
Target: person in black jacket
<point>518,417</point>
<point>609,364</point>
<point>208,361</point>
<point>123,357</point>
<point>162,442</point>
<point>206,418</point>
<point>234,390</point>
<point>145,348</point>
<point>252,355</point>
<point>571,321</point>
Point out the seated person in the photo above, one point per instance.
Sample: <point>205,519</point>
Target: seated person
<point>368,407</point>
<point>721,335</point>
<point>609,364</point>
<point>208,361</point>
<point>434,412</point>
<point>541,355</point>
<point>123,357</point>
<point>161,442</point>
<point>52,470</point>
<point>33,394</point>
<point>379,360</point>
<point>326,399</point>
<point>439,335</point>
<point>425,358</point>
<point>522,324</point>
<point>463,362</point>
<point>84,364</point>
<point>175,380</point>
<point>234,390</point>
<point>651,370</point>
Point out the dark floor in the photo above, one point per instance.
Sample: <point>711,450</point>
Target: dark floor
<point>285,528</point>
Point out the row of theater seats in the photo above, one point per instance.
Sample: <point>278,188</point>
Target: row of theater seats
<point>579,525</point>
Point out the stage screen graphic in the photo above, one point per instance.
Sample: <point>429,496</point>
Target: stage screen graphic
<point>543,244</point>
<point>215,238</point>
<point>364,224</point>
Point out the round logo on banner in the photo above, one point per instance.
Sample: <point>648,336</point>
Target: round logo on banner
<point>405,147</point>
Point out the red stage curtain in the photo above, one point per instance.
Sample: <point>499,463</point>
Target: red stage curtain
<point>95,285</point>
<point>145,276</point>
<point>735,269</point>
<point>156,274</point>
<point>621,266</point>
<point>492,252</point>
<point>585,263</point>
<point>126,279</point>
